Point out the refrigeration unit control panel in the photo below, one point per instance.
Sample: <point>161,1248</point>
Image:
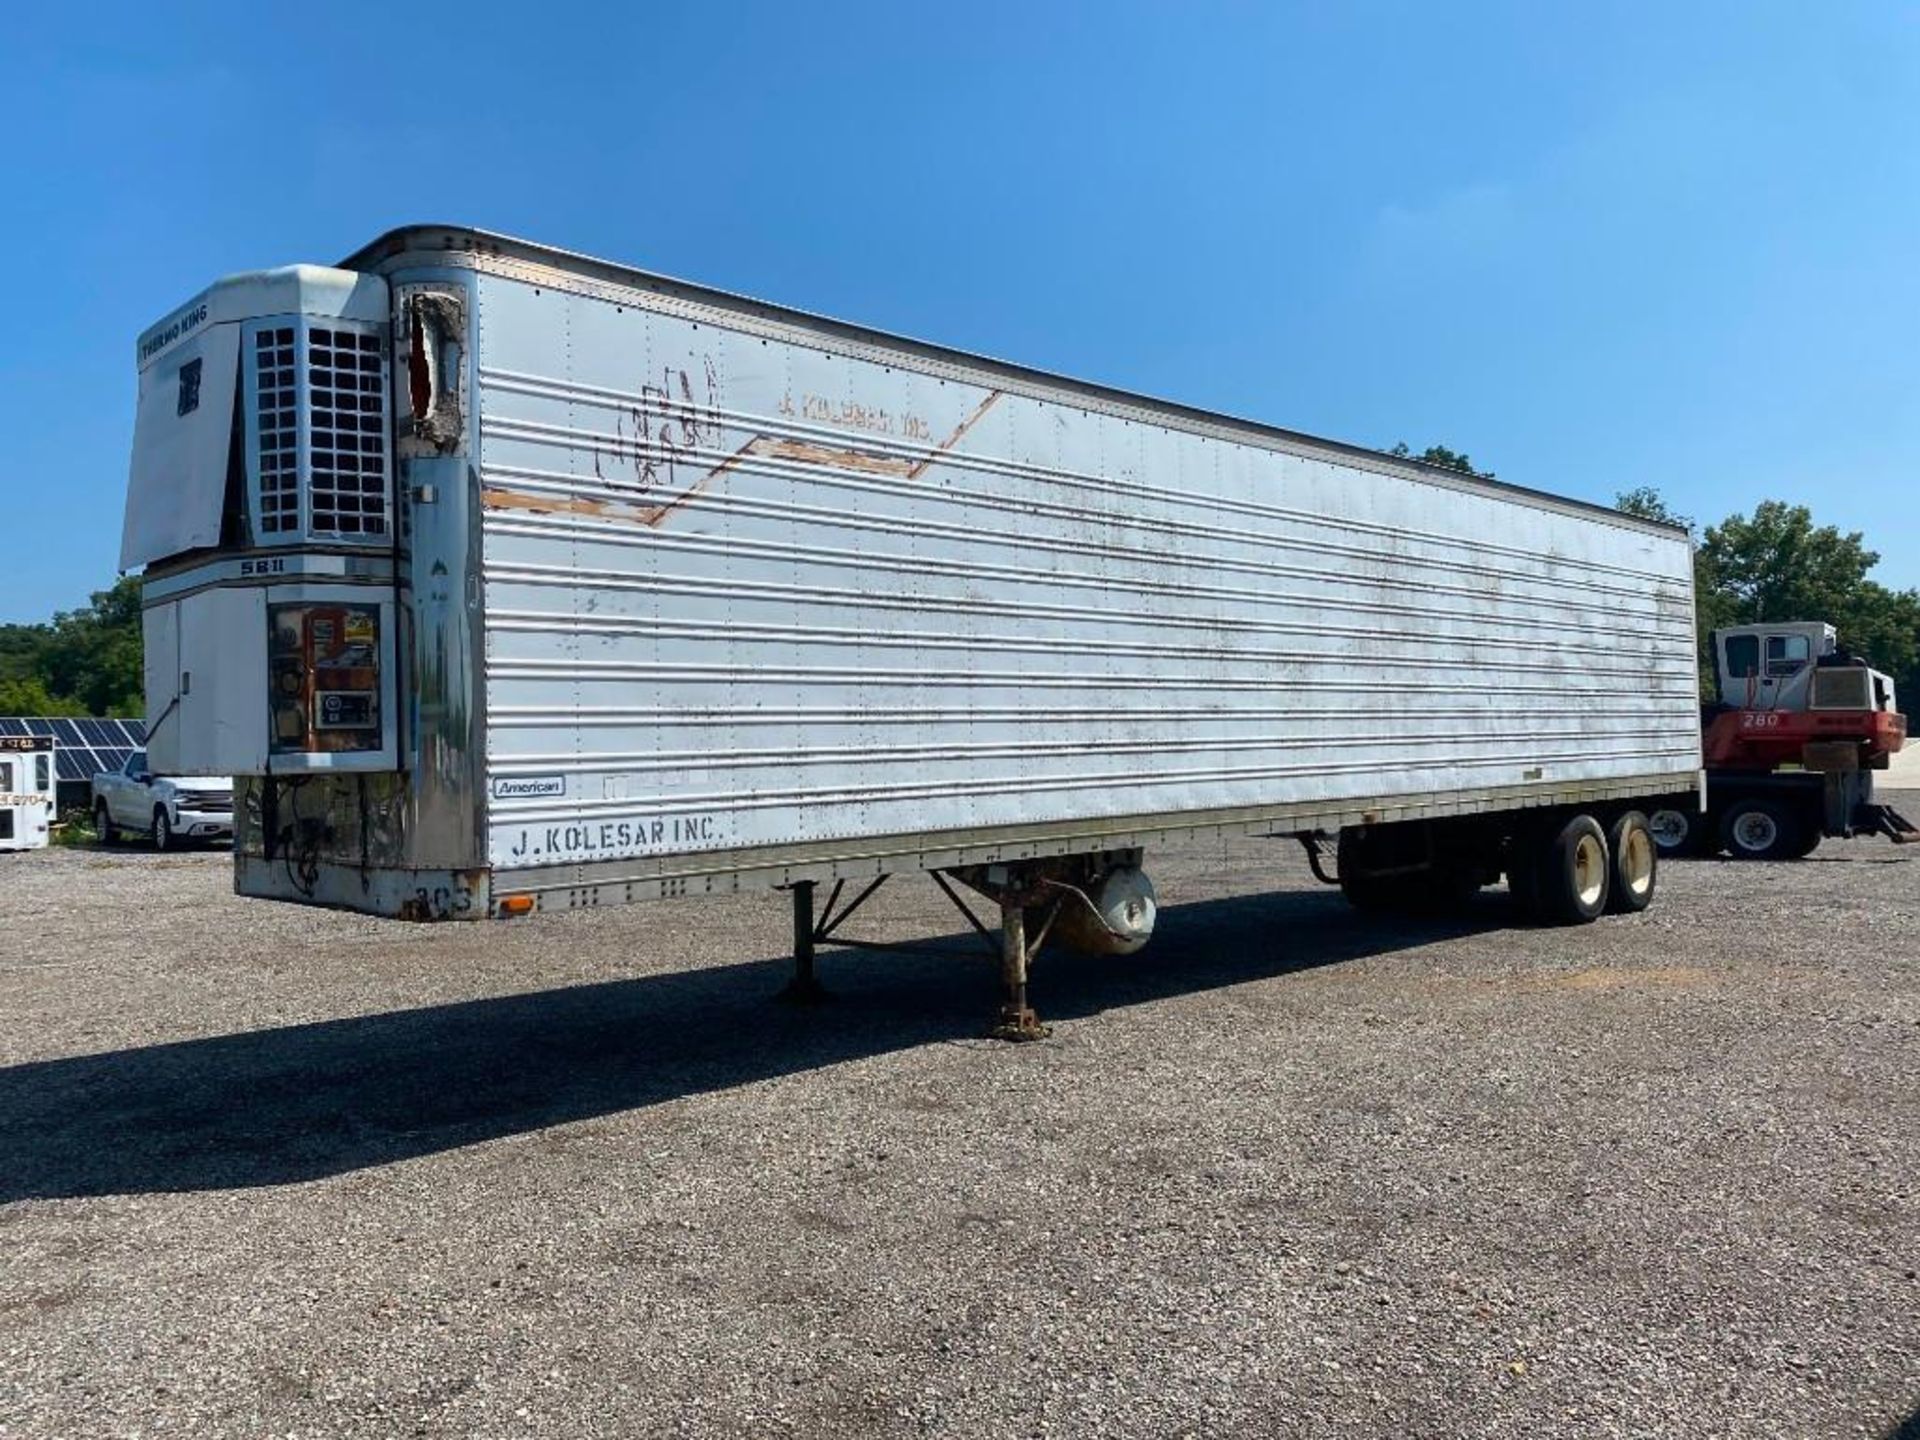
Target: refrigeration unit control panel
<point>324,662</point>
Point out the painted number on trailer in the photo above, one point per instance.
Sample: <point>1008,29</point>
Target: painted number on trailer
<point>1759,720</point>
<point>442,902</point>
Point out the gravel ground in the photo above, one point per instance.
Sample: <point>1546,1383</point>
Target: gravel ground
<point>273,1171</point>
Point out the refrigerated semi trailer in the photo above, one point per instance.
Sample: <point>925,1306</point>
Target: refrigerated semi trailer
<point>502,579</point>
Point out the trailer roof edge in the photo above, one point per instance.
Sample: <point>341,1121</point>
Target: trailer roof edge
<point>425,236</point>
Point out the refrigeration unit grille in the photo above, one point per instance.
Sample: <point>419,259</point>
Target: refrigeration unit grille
<point>347,438</point>
<point>275,414</point>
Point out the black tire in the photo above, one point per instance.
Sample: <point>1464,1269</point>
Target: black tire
<point>103,824</point>
<point>1761,830</point>
<point>1572,873</point>
<point>163,837</point>
<point>1634,861</point>
<point>1678,832</point>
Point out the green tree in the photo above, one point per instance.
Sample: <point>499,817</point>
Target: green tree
<point>1777,564</point>
<point>1441,455</point>
<point>27,695</point>
<point>84,662</point>
<point>1647,503</point>
<point>1884,626</point>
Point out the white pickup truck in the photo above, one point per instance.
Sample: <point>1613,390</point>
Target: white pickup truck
<point>170,811</point>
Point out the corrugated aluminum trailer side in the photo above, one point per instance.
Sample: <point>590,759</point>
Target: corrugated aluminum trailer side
<point>695,593</point>
<point>761,594</point>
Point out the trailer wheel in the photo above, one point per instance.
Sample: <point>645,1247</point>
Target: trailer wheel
<point>1678,832</point>
<point>1761,830</point>
<point>1572,873</point>
<point>1636,864</point>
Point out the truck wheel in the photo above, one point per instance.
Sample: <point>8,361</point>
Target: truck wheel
<point>1678,832</point>
<point>1636,864</point>
<point>1760,830</point>
<point>1572,873</point>
<point>103,824</point>
<point>163,837</point>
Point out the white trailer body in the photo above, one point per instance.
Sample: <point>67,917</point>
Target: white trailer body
<point>497,572</point>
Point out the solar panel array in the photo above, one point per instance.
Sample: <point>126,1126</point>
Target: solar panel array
<point>82,748</point>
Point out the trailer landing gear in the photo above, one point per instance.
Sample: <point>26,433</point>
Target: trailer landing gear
<point>1017,1018</point>
<point>805,987</point>
<point>1104,903</point>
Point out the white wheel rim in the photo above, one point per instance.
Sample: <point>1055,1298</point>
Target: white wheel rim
<point>1669,828</point>
<point>1636,861</point>
<point>1755,831</point>
<point>1589,870</point>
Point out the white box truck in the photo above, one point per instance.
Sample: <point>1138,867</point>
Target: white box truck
<point>505,578</point>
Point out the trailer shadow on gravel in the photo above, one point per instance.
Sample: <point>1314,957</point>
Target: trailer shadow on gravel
<point>294,1103</point>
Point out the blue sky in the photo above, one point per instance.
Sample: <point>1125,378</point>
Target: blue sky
<point>1594,246</point>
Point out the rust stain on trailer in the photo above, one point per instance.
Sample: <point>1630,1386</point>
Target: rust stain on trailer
<point>954,439</point>
<point>653,515</point>
<point>779,450</point>
<point>542,504</point>
<point>803,452</point>
<point>661,512</point>
<point>619,510</point>
<point>812,454</point>
<point>648,515</point>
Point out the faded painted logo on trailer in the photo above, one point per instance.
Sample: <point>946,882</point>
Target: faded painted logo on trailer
<point>529,787</point>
